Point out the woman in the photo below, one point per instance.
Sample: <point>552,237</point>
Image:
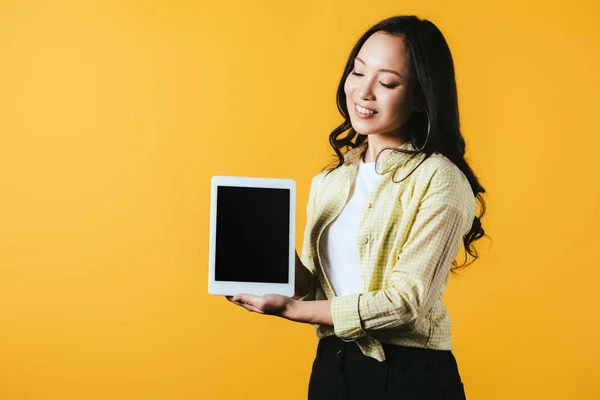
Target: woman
<point>385,224</point>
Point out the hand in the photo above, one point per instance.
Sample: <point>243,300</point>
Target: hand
<point>271,304</point>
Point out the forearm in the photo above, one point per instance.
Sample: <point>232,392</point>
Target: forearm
<point>310,312</point>
<point>389,308</point>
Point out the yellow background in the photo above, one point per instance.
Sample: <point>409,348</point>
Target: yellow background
<point>115,115</point>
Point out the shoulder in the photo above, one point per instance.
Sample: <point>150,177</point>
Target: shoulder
<point>316,180</point>
<point>316,184</point>
<point>437,163</point>
<point>439,180</point>
<point>446,184</point>
<point>439,169</point>
<point>329,175</point>
<point>326,183</point>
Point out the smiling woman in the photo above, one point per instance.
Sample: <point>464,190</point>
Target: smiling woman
<point>380,91</point>
<point>378,251</point>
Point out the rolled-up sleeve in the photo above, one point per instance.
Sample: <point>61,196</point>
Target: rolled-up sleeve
<point>419,274</point>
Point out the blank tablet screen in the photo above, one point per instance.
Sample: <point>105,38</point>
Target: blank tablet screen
<point>252,234</point>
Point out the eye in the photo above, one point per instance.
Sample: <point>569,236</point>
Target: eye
<point>383,84</point>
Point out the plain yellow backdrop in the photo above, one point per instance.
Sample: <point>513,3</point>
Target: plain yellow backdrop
<point>115,115</point>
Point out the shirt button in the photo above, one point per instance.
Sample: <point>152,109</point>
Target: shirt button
<point>366,240</point>
<point>339,352</point>
<point>369,205</point>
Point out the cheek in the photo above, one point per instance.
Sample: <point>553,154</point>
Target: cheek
<point>349,85</point>
<point>399,104</point>
<point>388,103</point>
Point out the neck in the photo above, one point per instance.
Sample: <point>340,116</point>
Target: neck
<point>376,143</point>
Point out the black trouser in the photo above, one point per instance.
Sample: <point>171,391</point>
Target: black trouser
<point>342,371</point>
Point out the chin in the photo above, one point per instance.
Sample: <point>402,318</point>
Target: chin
<point>364,130</point>
<point>369,134</point>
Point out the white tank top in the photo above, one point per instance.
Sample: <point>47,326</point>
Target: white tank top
<point>338,248</point>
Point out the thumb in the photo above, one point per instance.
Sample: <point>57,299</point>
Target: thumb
<point>245,298</point>
<point>239,297</point>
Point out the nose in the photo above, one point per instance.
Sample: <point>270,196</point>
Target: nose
<point>365,90</point>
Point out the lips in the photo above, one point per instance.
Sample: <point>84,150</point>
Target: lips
<point>361,115</point>
<point>366,108</point>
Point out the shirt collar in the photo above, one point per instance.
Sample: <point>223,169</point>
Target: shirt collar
<point>386,162</point>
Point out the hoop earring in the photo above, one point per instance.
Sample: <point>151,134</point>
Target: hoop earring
<point>428,129</point>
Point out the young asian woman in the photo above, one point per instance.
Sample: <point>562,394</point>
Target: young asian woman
<point>385,223</point>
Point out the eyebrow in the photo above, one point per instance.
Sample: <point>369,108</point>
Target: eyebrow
<point>382,69</point>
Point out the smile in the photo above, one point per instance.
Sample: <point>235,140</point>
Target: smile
<point>362,112</point>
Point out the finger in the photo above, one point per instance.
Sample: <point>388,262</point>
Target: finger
<point>249,299</point>
<point>250,302</point>
<point>229,298</point>
<point>250,307</point>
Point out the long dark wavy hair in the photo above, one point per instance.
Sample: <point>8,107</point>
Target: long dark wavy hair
<point>432,65</point>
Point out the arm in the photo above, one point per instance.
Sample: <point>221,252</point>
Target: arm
<point>300,307</point>
<point>297,308</point>
<point>418,276</point>
<point>310,312</point>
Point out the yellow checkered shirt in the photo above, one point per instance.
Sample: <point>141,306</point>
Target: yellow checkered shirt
<point>409,233</point>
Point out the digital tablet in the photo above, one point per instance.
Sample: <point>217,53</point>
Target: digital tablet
<point>252,236</point>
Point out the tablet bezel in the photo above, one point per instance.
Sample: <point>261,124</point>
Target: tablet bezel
<point>257,288</point>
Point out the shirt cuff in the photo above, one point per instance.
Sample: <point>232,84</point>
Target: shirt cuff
<point>346,318</point>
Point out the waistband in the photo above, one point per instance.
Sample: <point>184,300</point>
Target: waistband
<point>334,346</point>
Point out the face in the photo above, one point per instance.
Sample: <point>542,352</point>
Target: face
<point>381,82</point>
